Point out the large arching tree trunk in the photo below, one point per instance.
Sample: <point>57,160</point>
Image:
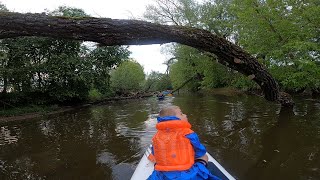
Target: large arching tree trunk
<point>132,32</point>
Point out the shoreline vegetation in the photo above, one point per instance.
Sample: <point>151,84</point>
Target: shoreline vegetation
<point>34,111</point>
<point>24,113</point>
<point>47,74</point>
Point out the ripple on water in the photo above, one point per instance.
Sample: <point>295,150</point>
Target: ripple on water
<point>239,131</point>
<point>7,137</point>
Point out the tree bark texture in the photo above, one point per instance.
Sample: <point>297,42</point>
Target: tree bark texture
<point>111,32</point>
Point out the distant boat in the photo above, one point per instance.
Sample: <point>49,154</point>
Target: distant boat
<point>167,93</point>
<point>160,97</point>
<point>145,168</point>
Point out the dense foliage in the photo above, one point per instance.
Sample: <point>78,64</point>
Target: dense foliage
<point>156,81</point>
<point>283,35</point>
<point>40,71</point>
<point>128,77</point>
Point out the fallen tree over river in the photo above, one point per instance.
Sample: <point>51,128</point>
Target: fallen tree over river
<point>110,32</point>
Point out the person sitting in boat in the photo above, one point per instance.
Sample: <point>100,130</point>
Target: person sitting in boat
<point>160,96</point>
<point>176,149</point>
<point>167,92</point>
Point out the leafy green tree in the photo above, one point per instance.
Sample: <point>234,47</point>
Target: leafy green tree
<point>128,77</point>
<point>298,77</point>
<point>178,12</point>
<point>43,69</point>
<point>157,82</point>
<point>103,60</point>
<point>151,81</point>
<point>3,59</point>
<point>185,68</point>
<point>212,16</point>
<point>216,17</point>
<point>43,66</point>
<point>68,12</point>
<point>48,70</point>
<point>192,63</point>
<point>284,34</point>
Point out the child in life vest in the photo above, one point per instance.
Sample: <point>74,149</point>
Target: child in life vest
<point>176,149</point>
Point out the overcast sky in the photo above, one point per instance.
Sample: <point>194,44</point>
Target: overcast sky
<point>148,56</point>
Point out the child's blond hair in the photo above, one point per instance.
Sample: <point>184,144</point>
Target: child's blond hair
<point>169,111</point>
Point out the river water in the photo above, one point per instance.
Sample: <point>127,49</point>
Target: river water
<point>251,138</point>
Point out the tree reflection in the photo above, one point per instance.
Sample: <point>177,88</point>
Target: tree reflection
<point>283,151</point>
<point>105,142</point>
<point>72,145</point>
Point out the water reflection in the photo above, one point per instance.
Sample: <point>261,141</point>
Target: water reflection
<point>100,142</point>
<point>8,137</point>
<point>252,138</point>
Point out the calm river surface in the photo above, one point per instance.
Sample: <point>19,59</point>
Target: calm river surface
<point>253,139</point>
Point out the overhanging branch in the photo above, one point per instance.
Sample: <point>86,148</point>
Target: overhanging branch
<point>111,32</point>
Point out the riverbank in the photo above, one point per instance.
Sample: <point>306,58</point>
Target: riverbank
<point>21,114</point>
<point>224,91</point>
<point>17,114</point>
<point>31,115</point>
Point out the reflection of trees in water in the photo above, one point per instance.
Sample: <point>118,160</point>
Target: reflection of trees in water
<point>23,166</point>
<point>8,136</point>
<point>290,147</point>
<point>102,142</point>
<point>231,127</point>
<point>240,146</point>
<point>73,145</point>
<point>56,148</point>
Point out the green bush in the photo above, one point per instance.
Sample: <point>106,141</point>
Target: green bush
<point>128,77</point>
<point>94,95</point>
<point>296,78</point>
<point>243,83</point>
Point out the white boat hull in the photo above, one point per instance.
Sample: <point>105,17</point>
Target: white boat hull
<point>145,168</point>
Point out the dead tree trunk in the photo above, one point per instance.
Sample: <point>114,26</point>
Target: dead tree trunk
<point>132,32</point>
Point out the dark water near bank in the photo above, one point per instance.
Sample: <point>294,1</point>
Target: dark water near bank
<point>251,138</point>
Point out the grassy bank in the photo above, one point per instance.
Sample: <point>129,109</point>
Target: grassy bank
<point>28,109</point>
<point>36,110</point>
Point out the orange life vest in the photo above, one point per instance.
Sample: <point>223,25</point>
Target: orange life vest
<point>172,150</point>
